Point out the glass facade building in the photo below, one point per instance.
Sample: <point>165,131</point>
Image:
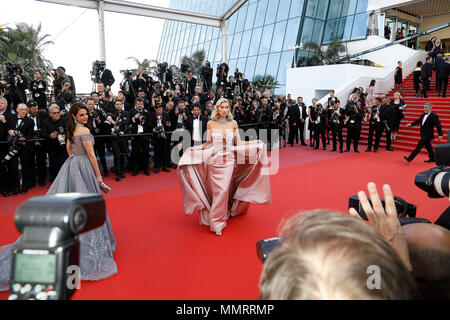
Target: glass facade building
<point>262,34</point>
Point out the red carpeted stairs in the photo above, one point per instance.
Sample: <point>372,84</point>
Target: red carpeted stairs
<point>408,138</point>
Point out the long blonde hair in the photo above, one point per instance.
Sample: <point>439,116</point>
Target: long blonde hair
<point>215,116</point>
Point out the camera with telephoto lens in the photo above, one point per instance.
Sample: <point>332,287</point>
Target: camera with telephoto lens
<point>162,67</point>
<point>160,132</point>
<point>115,130</point>
<point>60,136</point>
<point>436,182</point>
<point>205,71</point>
<point>14,148</point>
<point>45,262</point>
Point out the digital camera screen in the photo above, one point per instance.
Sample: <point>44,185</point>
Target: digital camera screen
<point>33,268</point>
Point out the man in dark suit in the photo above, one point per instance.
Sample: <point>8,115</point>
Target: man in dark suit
<point>38,149</point>
<point>4,114</point>
<point>160,124</point>
<point>105,76</point>
<point>140,145</point>
<point>427,121</point>
<point>197,125</point>
<point>426,74</point>
<point>20,84</point>
<point>387,118</point>
<point>443,70</point>
<point>20,122</point>
<point>300,114</point>
<point>355,115</point>
<point>336,118</point>
<point>190,84</point>
<point>55,133</point>
<point>120,121</point>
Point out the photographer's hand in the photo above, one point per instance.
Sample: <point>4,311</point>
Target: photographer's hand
<point>386,222</point>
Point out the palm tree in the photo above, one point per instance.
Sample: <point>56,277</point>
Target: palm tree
<point>195,61</point>
<point>320,55</point>
<point>265,82</point>
<point>24,45</point>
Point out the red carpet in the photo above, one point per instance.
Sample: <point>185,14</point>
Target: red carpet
<point>163,254</point>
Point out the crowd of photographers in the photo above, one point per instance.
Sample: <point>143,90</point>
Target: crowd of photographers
<point>147,111</point>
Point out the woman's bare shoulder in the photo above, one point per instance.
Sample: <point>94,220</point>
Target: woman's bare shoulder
<point>82,130</point>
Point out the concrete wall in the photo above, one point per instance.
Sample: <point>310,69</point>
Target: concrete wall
<point>432,22</point>
<point>311,82</point>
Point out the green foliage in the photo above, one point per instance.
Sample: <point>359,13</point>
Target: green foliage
<point>195,61</point>
<point>24,45</point>
<point>321,55</point>
<point>265,82</point>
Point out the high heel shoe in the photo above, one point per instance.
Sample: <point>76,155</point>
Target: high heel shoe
<point>218,233</point>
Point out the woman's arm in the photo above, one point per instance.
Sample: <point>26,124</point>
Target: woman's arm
<point>93,159</point>
<point>69,148</point>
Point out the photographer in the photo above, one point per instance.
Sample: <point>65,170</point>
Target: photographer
<point>145,100</point>
<point>222,75</point>
<point>230,89</point>
<point>98,118</point>
<point>207,112</point>
<point>164,73</point>
<point>238,111</point>
<point>103,75</point>
<point>4,176</point>
<point>278,123</point>
<point>191,83</point>
<point>122,97</point>
<point>387,118</point>
<point>20,84</point>
<point>336,119</point>
<point>38,88</point>
<point>140,145</point>
<point>38,149</point>
<point>120,121</point>
<point>142,82</point>
<point>375,123</point>
<point>299,114</point>
<point>319,117</point>
<point>311,124</point>
<point>20,129</point>
<point>128,89</point>
<point>54,130</point>
<point>355,115</point>
<point>206,73</point>
<point>182,114</point>
<point>160,124</point>
<point>105,98</point>
<point>157,96</point>
<point>65,98</point>
<point>58,83</point>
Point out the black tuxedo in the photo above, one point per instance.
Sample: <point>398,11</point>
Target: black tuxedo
<point>190,87</point>
<point>295,117</point>
<point>140,145</point>
<point>161,140</point>
<point>57,153</point>
<point>4,176</point>
<point>119,144</point>
<point>426,74</point>
<point>203,126</point>
<point>142,84</point>
<point>336,123</point>
<point>427,134</point>
<point>354,128</point>
<point>27,129</point>
<point>107,78</point>
<point>38,151</point>
<point>19,95</point>
<point>38,89</point>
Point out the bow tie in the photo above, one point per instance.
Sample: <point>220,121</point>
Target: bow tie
<point>196,118</point>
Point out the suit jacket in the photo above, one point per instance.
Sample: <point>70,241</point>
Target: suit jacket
<point>294,113</point>
<point>443,69</point>
<point>427,71</point>
<point>27,126</point>
<point>147,126</point>
<point>190,126</point>
<point>107,78</point>
<point>427,129</point>
<point>190,87</point>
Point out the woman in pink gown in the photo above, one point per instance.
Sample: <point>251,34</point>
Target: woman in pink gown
<point>220,180</point>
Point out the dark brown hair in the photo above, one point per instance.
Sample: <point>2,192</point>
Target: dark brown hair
<point>71,125</point>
